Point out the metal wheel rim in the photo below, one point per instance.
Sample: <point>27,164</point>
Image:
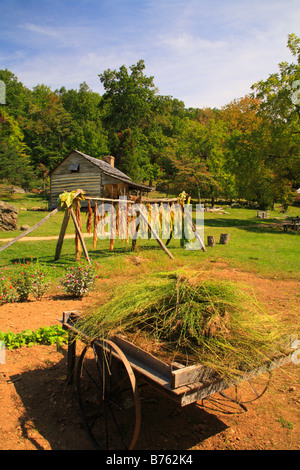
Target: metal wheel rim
<point>257,394</point>
<point>109,346</point>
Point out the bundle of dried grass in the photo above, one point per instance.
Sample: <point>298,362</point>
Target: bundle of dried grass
<point>89,213</point>
<point>96,221</point>
<point>196,320</point>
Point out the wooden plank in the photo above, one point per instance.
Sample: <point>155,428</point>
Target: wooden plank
<point>210,388</point>
<point>149,200</point>
<point>155,377</point>
<point>105,199</point>
<point>159,241</point>
<point>142,356</point>
<point>190,374</point>
<point>29,230</point>
<point>62,233</point>
<point>80,236</point>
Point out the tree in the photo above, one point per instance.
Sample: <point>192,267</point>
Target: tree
<point>127,98</point>
<point>88,134</point>
<point>126,156</point>
<point>280,104</point>
<point>47,127</point>
<point>199,157</point>
<point>17,95</point>
<point>15,165</point>
<point>245,146</point>
<point>127,107</point>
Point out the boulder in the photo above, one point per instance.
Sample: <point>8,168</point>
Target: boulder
<point>8,217</point>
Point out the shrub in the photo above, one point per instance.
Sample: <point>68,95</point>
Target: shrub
<point>25,280</point>
<point>7,289</point>
<point>79,280</point>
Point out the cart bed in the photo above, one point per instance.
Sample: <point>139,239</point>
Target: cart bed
<point>184,384</point>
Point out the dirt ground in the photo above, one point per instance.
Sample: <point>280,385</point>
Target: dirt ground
<point>40,412</point>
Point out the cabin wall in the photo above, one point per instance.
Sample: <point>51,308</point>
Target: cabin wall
<point>113,188</point>
<point>89,178</point>
<point>62,179</point>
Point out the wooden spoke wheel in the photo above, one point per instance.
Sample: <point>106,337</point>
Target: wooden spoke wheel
<point>108,396</point>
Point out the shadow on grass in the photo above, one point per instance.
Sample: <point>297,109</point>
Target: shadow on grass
<point>225,222</point>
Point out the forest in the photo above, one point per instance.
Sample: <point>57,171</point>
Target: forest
<point>247,150</point>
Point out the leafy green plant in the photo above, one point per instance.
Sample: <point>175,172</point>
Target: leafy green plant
<point>47,335</point>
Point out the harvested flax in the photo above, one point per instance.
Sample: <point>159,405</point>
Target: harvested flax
<point>193,319</point>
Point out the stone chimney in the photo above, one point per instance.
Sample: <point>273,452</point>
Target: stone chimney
<point>109,159</point>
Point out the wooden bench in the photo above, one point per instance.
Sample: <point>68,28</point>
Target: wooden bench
<point>294,224</point>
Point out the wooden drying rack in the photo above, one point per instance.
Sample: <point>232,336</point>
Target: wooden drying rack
<point>69,212</point>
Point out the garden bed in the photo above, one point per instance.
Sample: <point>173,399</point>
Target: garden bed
<point>39,412</point>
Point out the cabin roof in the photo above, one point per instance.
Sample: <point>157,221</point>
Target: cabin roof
<point>109,170</point>
<point>105,167</point>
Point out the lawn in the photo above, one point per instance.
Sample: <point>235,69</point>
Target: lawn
<point>257,245</point>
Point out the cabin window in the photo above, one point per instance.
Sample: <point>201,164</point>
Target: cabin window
<point>74,167</point>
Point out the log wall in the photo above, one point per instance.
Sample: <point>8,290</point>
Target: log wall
<point>89,178</point>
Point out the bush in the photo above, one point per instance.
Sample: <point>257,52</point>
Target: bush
<point>79,280</point>
<point>7,290</point>
<point>26,279</point>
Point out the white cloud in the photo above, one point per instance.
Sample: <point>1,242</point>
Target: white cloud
<point>205,53</point>
<point>185,43</point>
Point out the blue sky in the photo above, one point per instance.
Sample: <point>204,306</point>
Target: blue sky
<point>203,52</point>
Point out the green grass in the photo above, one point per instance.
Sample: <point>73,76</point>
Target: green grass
<point>254,245</point>
<point>27,205</point>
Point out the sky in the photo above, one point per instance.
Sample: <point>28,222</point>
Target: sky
<point>205,53</point>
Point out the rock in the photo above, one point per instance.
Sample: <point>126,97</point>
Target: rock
<point>8,217</point>
<point>136,260</point>
<point>24,227</point>
<point>15,190</point>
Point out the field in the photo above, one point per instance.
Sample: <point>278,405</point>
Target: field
<point>259,254</point>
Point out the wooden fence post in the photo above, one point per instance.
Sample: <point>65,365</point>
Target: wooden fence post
<point>224,238</point>
<point>211,241</point>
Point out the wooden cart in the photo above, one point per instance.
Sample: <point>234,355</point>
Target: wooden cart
<point>109,373</point>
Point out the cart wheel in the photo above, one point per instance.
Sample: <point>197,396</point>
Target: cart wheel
<point>108,396</point>
<point>248,391</point>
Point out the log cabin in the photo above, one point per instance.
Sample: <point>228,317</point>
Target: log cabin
<point>98,178</point>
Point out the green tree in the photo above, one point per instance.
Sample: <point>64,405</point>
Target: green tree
<point>128,97</point>
<point>199,157</point>
<point>17,95</point>
<point>47,127</point>
<point>15,165</point>
<point>88,134</point>
<point>280,105</point>
<point>127,109</point>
